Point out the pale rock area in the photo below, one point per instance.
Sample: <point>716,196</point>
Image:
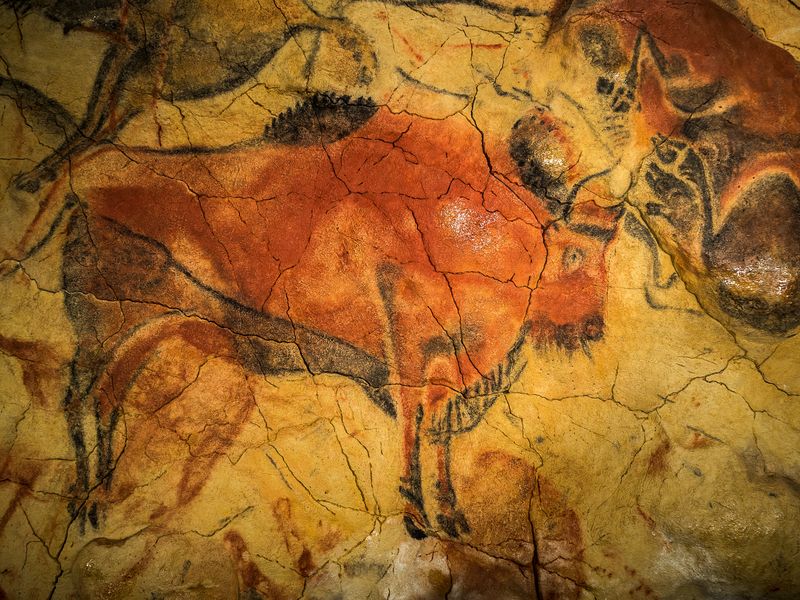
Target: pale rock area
<point>660,463</point>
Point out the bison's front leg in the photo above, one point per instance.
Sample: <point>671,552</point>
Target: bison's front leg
<point>88,362</point>
<point>415,518</point>
<point>442,381</point>
<point>451,519</point>
<point>421,435</point>
<point>425,355</point>
<point>81,373</point>
<point>406,318</point>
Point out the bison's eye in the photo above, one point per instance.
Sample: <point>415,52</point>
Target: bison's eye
<point>572,258</point>
<point>677,197</point>
<point>707,151</point>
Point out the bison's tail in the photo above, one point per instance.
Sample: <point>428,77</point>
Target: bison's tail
<point>464,411</point>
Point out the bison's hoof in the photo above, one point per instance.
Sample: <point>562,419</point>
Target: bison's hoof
<point>413,529</point>
<point>81,514</point>
<point>453,525</point>
<point>31,182</point>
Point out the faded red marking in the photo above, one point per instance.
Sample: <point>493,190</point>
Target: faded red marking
<point>657,463</point>
<point>23,490</point>
<point>648,519</point>
<point>250,574</point>
<point>408,46</point>
<point>304,562</point>
<point>698,440</point>
<point>38,363</point>
<point>528,495</point>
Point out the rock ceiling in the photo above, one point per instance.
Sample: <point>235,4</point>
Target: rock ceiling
<point>416,299</point>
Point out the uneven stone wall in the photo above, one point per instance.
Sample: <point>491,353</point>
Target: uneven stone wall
<point>417,299</point>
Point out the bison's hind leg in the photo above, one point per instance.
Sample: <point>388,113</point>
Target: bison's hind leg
<point>146,389</point>
<point>74,410</point>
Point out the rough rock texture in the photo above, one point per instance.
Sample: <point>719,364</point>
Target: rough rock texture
<point>417,300</point>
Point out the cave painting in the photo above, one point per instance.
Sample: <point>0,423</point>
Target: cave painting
<point>353,241</point>
<point>688,106</point>
<point>422,259</point>
<point>181,50</point>
<point>172,50</point>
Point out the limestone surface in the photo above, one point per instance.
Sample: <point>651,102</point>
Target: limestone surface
<point>400,300</point>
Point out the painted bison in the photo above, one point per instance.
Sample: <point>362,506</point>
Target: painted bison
<point>386,248</point>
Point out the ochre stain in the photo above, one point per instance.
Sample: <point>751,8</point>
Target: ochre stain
<point>414,52</point>
<point>37,360</point>
<point>251,576</point>
<point>698,440</point>
<point>304,562</point>
<point>557,527</point>
<point>657,463</point>
<point>648,519</point>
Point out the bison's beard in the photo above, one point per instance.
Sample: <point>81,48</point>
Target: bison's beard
<point>567,336</point>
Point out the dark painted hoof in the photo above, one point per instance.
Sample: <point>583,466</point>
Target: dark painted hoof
<point>413,529</point>
<point>94,516</point>
<point>80,515</point>
<point>27,182</point>
<point>86,512</point>
<point>31,182</point>
<point>453,525</point>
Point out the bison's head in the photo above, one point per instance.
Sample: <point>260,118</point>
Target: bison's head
<point>568,304</point>
<point>707,130</point>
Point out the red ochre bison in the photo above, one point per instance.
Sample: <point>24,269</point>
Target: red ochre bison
<point>398,251</point>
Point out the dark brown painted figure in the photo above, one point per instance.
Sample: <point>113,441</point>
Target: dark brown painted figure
<point>713,113</point>
<point>390,255</point>
<point>180,50</point>
<point>177,50</point>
